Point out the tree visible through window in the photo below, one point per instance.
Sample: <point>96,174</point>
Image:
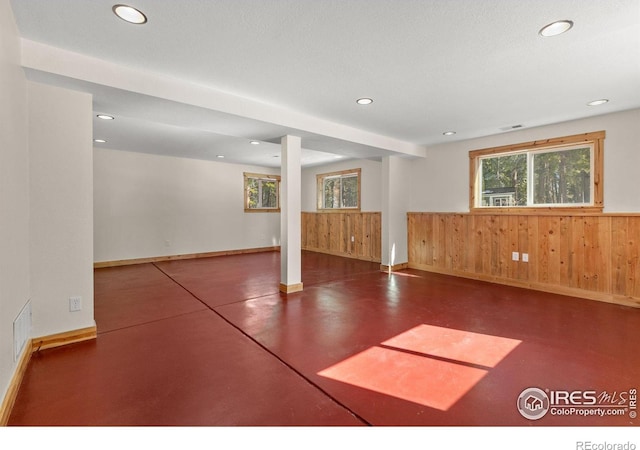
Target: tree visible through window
<point>339,190</point>
<point>262,192</point>
<point>563,172</point>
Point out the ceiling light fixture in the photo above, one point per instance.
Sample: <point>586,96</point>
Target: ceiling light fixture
<point>99,141</point>
<point>364,101</point>
<point>220,156</point>
<point>129,14</point>
<point>556,28</point>
<point>255,142</point>
<point>105,117</point>
<point>602,101</point>
<point>449,133</point>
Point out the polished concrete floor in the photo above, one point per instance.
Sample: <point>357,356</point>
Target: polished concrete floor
<point>212,342</point>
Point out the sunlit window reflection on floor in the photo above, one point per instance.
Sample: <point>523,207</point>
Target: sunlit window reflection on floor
<point>429,365</point>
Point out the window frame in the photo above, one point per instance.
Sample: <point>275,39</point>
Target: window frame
<point>260,177</point>
<point>595,139</point>
<point>321,177</point>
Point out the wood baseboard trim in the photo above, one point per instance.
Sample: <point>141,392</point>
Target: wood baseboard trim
<point>552,289</point>
<point>14,386</point>
<point>66,338</point>
<point>290,288</point>
<point>394,268</point>
<point>130,262</point>
<point>33,345</point>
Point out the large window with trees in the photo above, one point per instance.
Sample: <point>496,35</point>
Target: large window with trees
<point>553,174</point>
<point>261,192</point>
<point>339,190</point>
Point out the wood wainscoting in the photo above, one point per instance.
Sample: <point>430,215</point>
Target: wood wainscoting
<point>350,234</point>
<point>589,256</point>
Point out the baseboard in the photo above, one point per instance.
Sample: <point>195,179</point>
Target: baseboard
<point>34,345</point>
<point>66,338</point>
<point>14,386</point>
<point>394,268</point>
<point>129,262</point>
<point>290,288</point>
<point>550,288</point>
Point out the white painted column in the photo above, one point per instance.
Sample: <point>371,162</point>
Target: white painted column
<point>290,216</point>
<point>396,189</point>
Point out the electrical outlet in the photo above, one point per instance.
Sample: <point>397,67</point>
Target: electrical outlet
<point>75,304</point>
<point>515,256</point>
<point>353,238</point>
<point>525,257</point>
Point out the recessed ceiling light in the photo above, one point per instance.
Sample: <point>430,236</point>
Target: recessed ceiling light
<point>556,28</point>
<point>105,117</point>
<point>338,156</point>
<point>220,156</point>
<point>449,133</point>
<point>99,141</point>
<point>364,101</point>
<point>129,14</point>
<point>602,101</point>
<point>255,142</point>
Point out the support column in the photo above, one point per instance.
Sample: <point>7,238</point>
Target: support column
<point>396,190</point>
<point>290,210</point>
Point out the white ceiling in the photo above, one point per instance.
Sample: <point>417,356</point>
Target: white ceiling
<point>203,77</point>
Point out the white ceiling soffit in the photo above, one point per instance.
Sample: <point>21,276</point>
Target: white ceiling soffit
<point>125,92</point>
<point>263,68</point>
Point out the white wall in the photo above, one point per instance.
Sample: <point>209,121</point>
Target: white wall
<point>147,205</point>
<point>14,191</point>
<point>395,205</point>
<point>371,183</point>
<point>440,182</point>
<point>61,208</point>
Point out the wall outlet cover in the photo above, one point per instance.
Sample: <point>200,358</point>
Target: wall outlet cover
<point>75,304</point>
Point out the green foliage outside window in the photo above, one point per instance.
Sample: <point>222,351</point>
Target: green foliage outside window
<point>556,177</point>
<point>261,193</point>
<point>340,191</point>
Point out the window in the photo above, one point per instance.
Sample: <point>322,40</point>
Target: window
<point>555,173</point>
<point>339,190</point>
<point>262,193</point>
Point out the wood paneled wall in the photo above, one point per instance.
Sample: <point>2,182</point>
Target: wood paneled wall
<point>596,257</point>
<point>332,233</point>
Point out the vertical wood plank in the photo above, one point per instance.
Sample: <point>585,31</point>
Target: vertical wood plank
<point>543,249</point>
<point>429,220</point>
<point>553,251</point>
<point>578,252</point>
<point>504,246</point>
<point>620,252</point>
<point>524,246</point>
<point>376,237</point>
<point>534,247</point>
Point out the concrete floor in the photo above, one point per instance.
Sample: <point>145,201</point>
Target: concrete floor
<point>212,342</point>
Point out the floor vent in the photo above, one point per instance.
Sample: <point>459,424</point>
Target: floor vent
<point>21,330</point>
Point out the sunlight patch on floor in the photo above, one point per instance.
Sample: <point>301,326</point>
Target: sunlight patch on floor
<point>429,365</point>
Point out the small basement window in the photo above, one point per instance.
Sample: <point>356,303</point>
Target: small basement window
<point>339,190</point>
<point>262,192</point>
